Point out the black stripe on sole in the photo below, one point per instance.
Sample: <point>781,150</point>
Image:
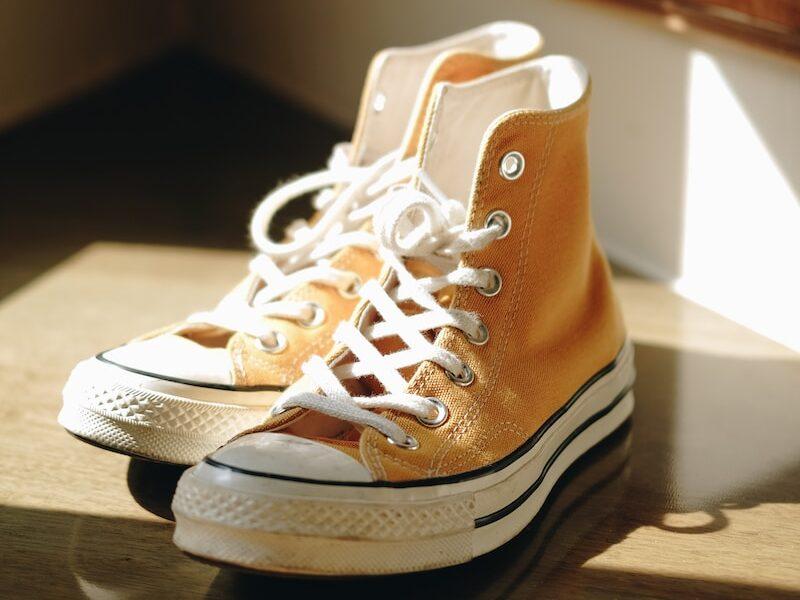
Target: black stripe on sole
<point>519,501</point>
<point>492,468</point>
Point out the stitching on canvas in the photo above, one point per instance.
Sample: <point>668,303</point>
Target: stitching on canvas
<point>471,415</point>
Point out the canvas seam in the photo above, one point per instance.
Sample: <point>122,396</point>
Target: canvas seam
<point>372,453</point>
<point>237,354</point>
<point>439,458</point>
<point>499,429</point>
<point>372,457</point>
<point>410,466</point>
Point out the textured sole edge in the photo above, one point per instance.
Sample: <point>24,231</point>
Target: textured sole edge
<point>153,432</point>
<point>316,556</point>
<point>603,475</point>
<point>139,441</point>
<point>268,551</point>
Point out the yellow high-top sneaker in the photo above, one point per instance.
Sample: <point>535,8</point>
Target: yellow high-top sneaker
<point>487,358</point>
<point>178,393</point>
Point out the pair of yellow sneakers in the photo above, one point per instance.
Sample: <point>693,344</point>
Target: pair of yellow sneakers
<point>473,346</point>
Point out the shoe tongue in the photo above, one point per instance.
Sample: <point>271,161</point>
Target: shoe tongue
<point>386,102</point>
<point>455,66</point>
<point>400,82</point>
<point>461,116</point>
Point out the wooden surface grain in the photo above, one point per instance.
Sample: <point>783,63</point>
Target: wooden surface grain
<point>698,497</point>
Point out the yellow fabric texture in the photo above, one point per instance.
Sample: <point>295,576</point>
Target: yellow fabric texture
<point>253,366</point>
<point>554,324</point>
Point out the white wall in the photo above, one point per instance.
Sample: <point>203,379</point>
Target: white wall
<point>695,138</point>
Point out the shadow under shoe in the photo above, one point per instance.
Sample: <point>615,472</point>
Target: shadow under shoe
<point>152,485</point>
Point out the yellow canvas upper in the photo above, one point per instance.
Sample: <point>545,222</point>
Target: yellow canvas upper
<point>461,59</point>
<point>554,324</point>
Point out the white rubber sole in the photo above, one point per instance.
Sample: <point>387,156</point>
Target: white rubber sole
<point>131,413</point>
<point>284,525</point>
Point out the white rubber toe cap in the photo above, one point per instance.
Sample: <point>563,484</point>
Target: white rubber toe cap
<point>176,357</point>
<point>274,453</point>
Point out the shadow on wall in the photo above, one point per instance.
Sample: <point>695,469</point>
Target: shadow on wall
<point>178,152</point>
<point>695,138</point>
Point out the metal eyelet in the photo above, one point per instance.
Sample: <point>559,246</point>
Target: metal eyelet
<point>441,414</point>
<point>276,410</point>
<point>466,377</point>
<point>499,217</point>
<point>379,102</point>
<point>494,287</point>
<point>512,165</point>
<point>351,291</point>
<point>317,317</point>
<point>278,346</point>
<point>410,443</point>
<point>482,337</point>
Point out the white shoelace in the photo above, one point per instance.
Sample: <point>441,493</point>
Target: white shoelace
<point>344,193</point>
<point>410,223</point>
